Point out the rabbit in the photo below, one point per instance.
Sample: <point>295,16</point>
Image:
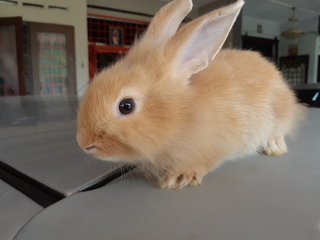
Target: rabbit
<point>179,107</point>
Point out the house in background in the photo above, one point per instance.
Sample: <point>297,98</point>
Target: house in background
<point>53,47</point>
<point>48,43</point>
<point>288,33</point>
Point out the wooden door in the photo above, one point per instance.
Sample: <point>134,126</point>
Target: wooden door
<point>11,57</point>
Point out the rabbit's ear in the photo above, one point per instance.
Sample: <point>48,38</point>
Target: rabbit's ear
<point>198,42</point>
<point>166,22</point>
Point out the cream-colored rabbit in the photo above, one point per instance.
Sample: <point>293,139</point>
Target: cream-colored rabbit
<point>179,106</point>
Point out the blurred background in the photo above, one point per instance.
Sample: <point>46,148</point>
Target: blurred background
<point>54,47</point>
<point>50,50</point>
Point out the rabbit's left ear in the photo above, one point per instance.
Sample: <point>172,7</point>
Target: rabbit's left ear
<point>198,42</point>
<point>166,22</point>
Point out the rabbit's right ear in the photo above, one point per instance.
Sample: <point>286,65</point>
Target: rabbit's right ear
<point>166,22</point>
<point>192,48</point>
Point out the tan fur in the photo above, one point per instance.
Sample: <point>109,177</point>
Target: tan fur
<point>186,127</point>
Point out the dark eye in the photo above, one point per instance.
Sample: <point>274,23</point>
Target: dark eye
<point>127,106</point>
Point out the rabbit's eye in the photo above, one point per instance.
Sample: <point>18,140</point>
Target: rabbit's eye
<point>127,106</point>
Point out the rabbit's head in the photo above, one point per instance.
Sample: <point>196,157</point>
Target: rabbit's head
<point>137,107</point>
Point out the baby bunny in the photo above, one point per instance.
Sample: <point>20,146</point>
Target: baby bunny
<point>178,106</point>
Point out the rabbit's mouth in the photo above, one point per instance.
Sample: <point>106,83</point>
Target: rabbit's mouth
<point>98,153</point>
<point>110,152</point>
<point>91,150</point>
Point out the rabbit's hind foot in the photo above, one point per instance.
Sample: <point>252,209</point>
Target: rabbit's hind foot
<point>275,146</point>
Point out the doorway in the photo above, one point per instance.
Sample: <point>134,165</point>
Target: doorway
<point>11,62</point>
<point>52,54</point>
<point>36,58</point>
<point>267,47</point>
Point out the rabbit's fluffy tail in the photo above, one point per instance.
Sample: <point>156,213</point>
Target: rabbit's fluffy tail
<point>289,114</point>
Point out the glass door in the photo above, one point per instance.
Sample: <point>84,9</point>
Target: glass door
<point>11,52</point>
<point>53,64</point>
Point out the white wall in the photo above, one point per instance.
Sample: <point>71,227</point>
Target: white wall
<point>309,24</point>
<point>75,16</point>
<point>308,44</point>
<point>316,59</point>
<point>270,29</point>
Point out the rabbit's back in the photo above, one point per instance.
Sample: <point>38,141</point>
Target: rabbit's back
<point>244,74</point>
<point>245,97</point>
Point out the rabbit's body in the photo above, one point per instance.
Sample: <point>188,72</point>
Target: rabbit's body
<point>241,92</point>
<point>168,107</point>
<point>240,105</point>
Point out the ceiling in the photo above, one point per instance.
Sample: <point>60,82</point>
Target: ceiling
<point>274,10</point>
<point>279,11</point>
<point>195,2</point>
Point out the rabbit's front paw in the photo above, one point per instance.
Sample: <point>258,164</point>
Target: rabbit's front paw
<point>178,181</point>
<point>276,146</point>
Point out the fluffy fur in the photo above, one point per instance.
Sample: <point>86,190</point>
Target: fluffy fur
<point>188,120</point>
